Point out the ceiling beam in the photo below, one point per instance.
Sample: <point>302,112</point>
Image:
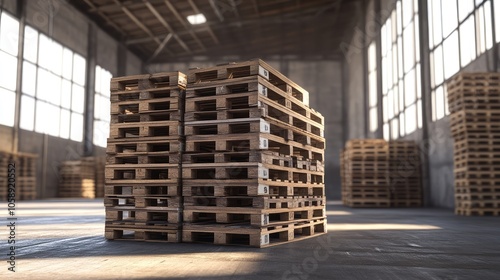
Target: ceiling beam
<point>161,47</point>
<point>155,12</point>
<point>269,21</point>
<point>138,22</point>
<point>183,22</point>
<point>106,18</point>
<point>256,7</point>
<point>210,31</point>
<point>217,12</point>
<point>235,9</point>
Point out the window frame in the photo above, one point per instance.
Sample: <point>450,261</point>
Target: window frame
<point>401,72</point>
<point>484,39</point>
<point>75,109</point>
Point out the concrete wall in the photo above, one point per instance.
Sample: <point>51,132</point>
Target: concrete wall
<point>70,28</point>
<point>323,81</point>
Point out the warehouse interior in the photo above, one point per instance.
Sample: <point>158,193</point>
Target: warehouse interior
<point>375,69</point>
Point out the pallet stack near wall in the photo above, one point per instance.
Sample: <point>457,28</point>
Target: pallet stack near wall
<point>100,163</point>
<point>83,178</point>
<point>378,173</point>
<point>253,168</point>
<point>365,182</point>
<point>142,191</point>
<point>474,104</point>
<point>25,175</point>
<point>77,179</point>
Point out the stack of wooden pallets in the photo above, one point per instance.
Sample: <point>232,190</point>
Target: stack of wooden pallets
<point>365,181</point>
<point>77,179</point>
<point>5,160</point>
<point>100,163</point>
<point>253,168</point>
<point>25,175</point>
<point>474,104</point>
<point>380,173</point>
<point>142,191</point>
<point>405,174</point>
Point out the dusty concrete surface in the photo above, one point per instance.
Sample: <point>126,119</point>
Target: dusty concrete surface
<point>63,239</point>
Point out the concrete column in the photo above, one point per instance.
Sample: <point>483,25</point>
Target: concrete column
<point>21,14</point>
<point>88,133</point>
<point>426,97</point>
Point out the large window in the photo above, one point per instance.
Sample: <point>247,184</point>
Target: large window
<point>101,106</point>
<point>372,86</point>
<point>459,31</point>
<point>401,82</point>
<point>53,93</point>
<point>9,38</point>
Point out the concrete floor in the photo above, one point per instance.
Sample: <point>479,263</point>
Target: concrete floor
<point>63,239</point>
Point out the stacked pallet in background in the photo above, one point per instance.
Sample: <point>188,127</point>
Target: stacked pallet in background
<point>365,180</point>
<point>142,191</point>
<point>253,167</point>
<point>474,104</point>
<point>77,179</point>
<point>344,190</point>
<point>405,174</point>
<point>25,175</point>
<point>100,163</point>
<point>82,178</point>
<point>378,173</point>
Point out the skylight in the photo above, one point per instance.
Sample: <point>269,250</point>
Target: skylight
<point>196,19</point>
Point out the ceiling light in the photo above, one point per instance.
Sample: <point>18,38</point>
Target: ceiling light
<point>196,19</point>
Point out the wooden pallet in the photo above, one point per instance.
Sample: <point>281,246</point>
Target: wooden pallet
<point>477,186</point>
<point>265,157</point>
<point>144,158</point>
<point>250,187</point>
<point>148,81</point>
<point>253,68</point>
<point>100,163</point>
<point>77,179</point>
<point>145,130</point>
<point>136,188</point>
<point>159,116</point>
<point>244,170</point>
<point>247,94</point>
<point>473,80</point>
<point>160,172</point>
<point>130,215</point>
<point>369,203</point>
<point>147,106</point>
<point>406,202</point>
<point>149,202</point>
<point>477,166</point>
<point>476,203</point>
<point>241,235</point>
<point>478,196</point>
<point>142,233</point>
<point>477,211</point>
<point>136,94</point>
<point>144,145</point>
<point>273,202</point>
<point>251,216</point>
<point>477,175</point>
<point>251,141</point>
